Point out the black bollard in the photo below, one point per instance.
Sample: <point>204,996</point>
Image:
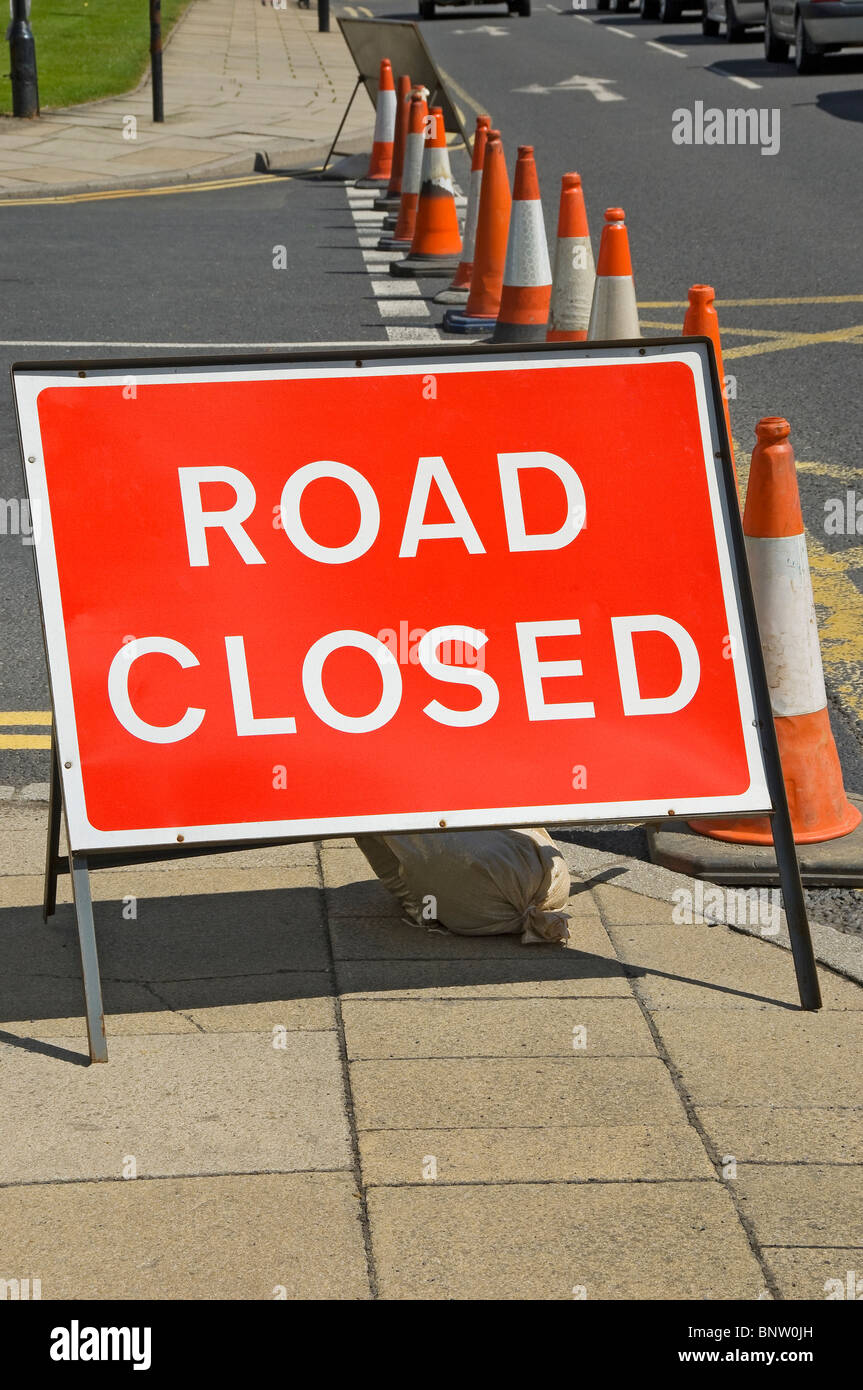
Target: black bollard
<point>22,55</point>
<point>156,58</point>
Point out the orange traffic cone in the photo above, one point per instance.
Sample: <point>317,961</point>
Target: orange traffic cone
<point>404,229</point>
<point>614,311</point>
<point>436,240</point>
<point>390,200</point>
<point>381,161</point>
<point>701,322</point>
<point>492,229</point>
<point>782,588</point>
<point>526,295</point>
<point>458,291</point>
<point>574,270</point>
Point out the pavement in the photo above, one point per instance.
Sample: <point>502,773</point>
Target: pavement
<point>307,1098</point>
<point>240,79</point>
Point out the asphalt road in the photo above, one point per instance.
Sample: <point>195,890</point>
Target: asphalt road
<point>194,270</point>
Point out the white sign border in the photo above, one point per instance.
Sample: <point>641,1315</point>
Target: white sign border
<point>86,838</point>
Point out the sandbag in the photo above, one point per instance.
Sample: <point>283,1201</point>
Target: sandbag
<point>476,882</point>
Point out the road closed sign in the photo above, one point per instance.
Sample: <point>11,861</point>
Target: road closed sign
<point>314,597</point>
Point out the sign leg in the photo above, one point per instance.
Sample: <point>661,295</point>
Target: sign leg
<point>795,908</point>
<point>341,127</point>
<point>52,849</point>
<point>89,957</point>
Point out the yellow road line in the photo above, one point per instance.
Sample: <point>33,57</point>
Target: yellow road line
<point>96,197</point>
<point>25,740</point>
<point>796,340</point>
<point>752,303</point>
<point>726,330</point>
<point>836,471</point>
<point>11,717</point>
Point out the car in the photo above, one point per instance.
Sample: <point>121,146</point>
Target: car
<point>814,27</point>
<point>736,15</point>
<point>520,7</point>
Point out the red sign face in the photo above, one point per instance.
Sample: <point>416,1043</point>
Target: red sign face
<point>324,598</point>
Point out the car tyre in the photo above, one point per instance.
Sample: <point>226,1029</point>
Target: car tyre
<point>807,55</point>
<point>669,11</point>
<point>735,32</point>
<point>621,6</point>
<point>524,8</point>
<point>427,9</point>
<point>709,27</point>
<point>648,9</point>
<point>603,4</point>
<point>775,50</point>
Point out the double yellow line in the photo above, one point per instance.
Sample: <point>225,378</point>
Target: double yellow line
<point>36,719</point>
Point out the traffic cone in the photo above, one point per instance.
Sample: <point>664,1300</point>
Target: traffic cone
<point>701,321</point>
<point>390,200</point>
<point>381,161</point>
<point>785,608</point>
<point>614,312</point>
<point>574,270</point>
<point>526,295</point>
<point>436,241</point>
<point>458,291</point>
<point>404,229</point>
<point>492,228</point>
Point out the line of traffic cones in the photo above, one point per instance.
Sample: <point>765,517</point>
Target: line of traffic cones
<point>502,283</point>
<point>436,241</point>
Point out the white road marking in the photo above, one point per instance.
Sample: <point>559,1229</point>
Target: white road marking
<point>741,81</point>
<point>403,309</point>
<point>595,85</point>
<point>391,289</point>
<point>585,18</point>
<point>403,334</point>
<point>485,29</point>
<point>349,10</point>
<point>368,14</point>
<point>624,33</point>
<point>663,48</point>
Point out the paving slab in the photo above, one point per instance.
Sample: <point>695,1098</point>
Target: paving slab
<point>697,965</point>
<point>828,1274</point>
<point>784,1135</point>
<point>766,1057</point>
<point>803,1204</point>
<point>496,1092</point>
<point>677,1240</point>
<point>386,936</point>
<point>53,1006</point>
<point>298,1000</point>
<point>187,1104</point>
<point>566,974</point>
<point>495,1028</point>
<point>553,1153</point>
<point>266,1236</point>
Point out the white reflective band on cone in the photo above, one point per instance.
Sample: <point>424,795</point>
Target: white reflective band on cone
<point>527,242</point>
<point>436,169</point>
<point>782,587</point>
<point>572,294</point>
<point>471,216</point>
<point>614,313</point>
<point>413,163</point>
<point>385,118</point>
